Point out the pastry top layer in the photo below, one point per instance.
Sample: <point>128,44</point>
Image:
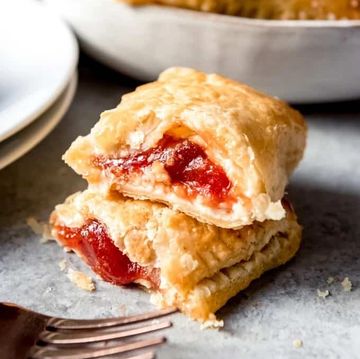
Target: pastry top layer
<point>269,9</point>
<point>258,139</point>
<point>153,235</point>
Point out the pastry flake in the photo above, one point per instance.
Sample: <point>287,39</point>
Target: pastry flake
<point>81,280</point>
<point>323,293</point>
<point>194,266</point>
<point>346,284</point>
<point>208,146</point>
<point>297,343</point>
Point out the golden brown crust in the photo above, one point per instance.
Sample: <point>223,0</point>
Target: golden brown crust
<point>269,9</point>
<point>257,139</point>
<point>229,7</point>
<point>211,294</point>
<point>302,9</point>
<point>186,251</point>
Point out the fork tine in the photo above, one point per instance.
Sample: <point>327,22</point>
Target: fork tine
<point>49,352</point>
<point>58,323</point>
<point>146,355</point>
<point>63,338</point>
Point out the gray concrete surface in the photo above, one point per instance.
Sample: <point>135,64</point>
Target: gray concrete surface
<point>260,323</point>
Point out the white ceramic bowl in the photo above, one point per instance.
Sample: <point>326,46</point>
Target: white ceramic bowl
<point>299,61</point>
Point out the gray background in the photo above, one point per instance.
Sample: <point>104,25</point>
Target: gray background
<point>261,322</point>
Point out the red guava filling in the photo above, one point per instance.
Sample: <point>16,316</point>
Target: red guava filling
<point>186,163</point>
<point>93,244</point>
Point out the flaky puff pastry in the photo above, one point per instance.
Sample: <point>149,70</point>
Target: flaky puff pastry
<point>254,140</point>
<point>301,9</point>
<point>229,7</point>
<point>269,9</point>
<point>201,266</point>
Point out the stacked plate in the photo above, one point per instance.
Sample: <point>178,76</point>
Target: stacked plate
<point>38,75</point>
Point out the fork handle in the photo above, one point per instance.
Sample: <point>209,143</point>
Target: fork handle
<point>19,330</point>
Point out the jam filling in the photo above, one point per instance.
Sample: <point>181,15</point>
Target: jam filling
<point>186,163</point>
<point>93,243</point>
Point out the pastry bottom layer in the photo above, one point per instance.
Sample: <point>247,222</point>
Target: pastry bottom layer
<point>212,293</point>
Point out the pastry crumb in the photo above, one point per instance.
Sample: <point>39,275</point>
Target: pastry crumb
<point>62,265</point>
<point>212,323</point>
<point>81,280</point>
<point>122,309</point>
<point>323,293</point>
<point>330,280</point>
<point>297,343</point>
<point>346,284</point>
<point>34,225</point>
<point>49,290</point>
<point>42,229</point>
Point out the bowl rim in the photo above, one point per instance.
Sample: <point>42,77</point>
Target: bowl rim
<point>230,19</point>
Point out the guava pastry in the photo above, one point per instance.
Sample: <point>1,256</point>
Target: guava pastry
<point>184,263</point>
<point>205,145</point>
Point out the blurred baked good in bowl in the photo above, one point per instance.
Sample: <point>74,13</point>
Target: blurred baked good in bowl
<point>269,9</point>
<point>296,60</point>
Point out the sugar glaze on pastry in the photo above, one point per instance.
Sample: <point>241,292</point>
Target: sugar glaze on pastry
<point>193,266</point>
<point>205,145</point>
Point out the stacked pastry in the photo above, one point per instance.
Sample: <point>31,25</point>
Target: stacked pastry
<point>186,182</point>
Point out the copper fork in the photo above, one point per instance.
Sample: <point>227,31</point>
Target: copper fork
<point>27,334</point>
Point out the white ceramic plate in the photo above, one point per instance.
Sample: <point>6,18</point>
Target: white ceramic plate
<point>299,61</point>
<point>17,145</point>
<point>38,57</point>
